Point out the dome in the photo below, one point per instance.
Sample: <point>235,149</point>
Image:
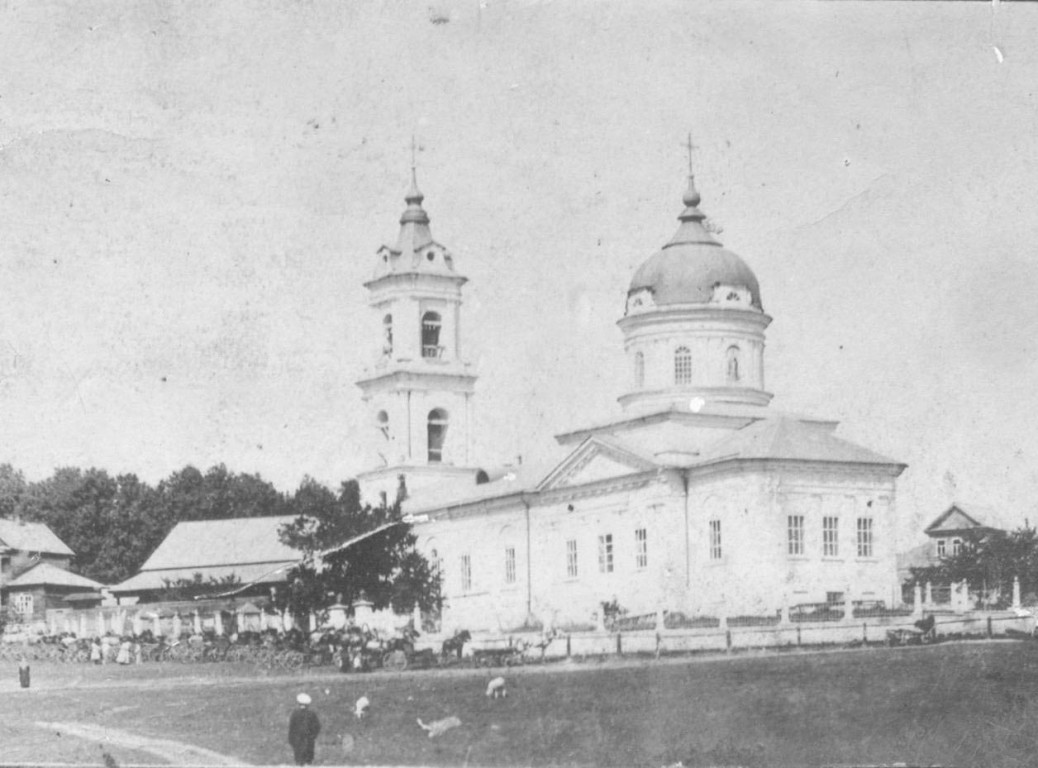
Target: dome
<point>693,264</point>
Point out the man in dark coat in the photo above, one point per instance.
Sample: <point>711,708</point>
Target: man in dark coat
<point>303,727</point>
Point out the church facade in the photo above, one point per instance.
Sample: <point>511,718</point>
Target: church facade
<point>697,498</point>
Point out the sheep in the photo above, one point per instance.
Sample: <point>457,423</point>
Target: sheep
<point>439,727</point>
<point>496,688</point>
<point>360,710</point>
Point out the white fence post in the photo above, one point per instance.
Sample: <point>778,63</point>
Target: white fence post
<point>1016,593</point>
<point>917,601</point>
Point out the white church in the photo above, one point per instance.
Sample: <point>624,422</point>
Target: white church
<point>698,498</point>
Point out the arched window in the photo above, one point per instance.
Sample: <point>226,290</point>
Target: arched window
<point>383,424</point>
<point>437,431</point>
<point>431,335</point>
<point>733,364</point>
<point>639,370</point>
<point>387,335</point>
<point>682,366</point>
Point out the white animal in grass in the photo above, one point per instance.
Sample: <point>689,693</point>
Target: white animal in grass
<point>360,709</point>
<point>496,688</point>
<point>440,727</point>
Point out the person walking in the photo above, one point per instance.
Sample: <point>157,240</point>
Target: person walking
<point>303,727</point>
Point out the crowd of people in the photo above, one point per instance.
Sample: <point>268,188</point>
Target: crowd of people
<point>351,649</point>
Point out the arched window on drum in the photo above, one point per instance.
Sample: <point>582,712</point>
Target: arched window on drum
<point>734,374</point>
<point>682,366</point>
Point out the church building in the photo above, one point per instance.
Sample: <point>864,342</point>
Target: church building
<point>697,498</point>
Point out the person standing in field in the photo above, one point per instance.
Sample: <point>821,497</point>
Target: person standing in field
<point>303,727</point>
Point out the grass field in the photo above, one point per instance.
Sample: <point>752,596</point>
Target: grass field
<point>952,704</point>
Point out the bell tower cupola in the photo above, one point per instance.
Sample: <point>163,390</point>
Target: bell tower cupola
<point>419,389</point>
<point>693,325</point>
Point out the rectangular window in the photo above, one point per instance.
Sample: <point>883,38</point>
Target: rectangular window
<point>940,548</point>
<point>830,536</point>
<point>795,534</point>
<point>466,573</point>
<point>605,553</point>
<point>641,548</point>
<point>864,537</point>
<point>23,604</point>
<point>715,539</point>
<point>956,546</point>
<point>834,598</point>
<point>571,558</point>
<point>510,565</point>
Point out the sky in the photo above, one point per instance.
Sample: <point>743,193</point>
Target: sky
<point>192,194</point>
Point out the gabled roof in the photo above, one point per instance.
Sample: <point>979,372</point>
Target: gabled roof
<point>245,573</point>
<point>246,547</point>
<point>792,440</point>
<point>46,574</point>
<point>967,515</point>
<point>236,541</point>
<point>31,537</point>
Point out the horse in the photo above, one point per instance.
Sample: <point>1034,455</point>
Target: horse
<point>454,645</point>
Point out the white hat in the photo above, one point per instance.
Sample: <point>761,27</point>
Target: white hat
<point>303,698</point>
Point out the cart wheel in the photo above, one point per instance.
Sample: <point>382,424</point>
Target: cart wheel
<point>396,661</point>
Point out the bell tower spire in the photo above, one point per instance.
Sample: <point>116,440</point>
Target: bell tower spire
<point>420,388</point>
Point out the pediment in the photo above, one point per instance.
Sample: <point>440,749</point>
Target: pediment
<point>595,460</point>
<point>953,519</point>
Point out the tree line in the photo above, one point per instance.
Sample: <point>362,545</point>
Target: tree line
<point>114,523</point>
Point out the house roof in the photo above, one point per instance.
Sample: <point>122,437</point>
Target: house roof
<point>246,547</point>
<point>976,516</point>
<point>31,537</point>
<point>918,556</point>
<point>46,574</point>
<point>208,543</point>
<point>246,573</point>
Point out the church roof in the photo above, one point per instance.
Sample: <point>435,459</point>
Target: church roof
<point>791,440</point>
<point>46,574</point>
<point>31,537</point>
<point>693,263</point>
<point>780,438</point>
<point>519,479</point>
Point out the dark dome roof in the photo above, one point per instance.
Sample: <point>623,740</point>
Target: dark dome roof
<point>688,268</point>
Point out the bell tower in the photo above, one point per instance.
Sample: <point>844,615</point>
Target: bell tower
<point>419,390</point>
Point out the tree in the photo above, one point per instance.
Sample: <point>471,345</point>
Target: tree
<point>989,561</point>
<point>385,567</point>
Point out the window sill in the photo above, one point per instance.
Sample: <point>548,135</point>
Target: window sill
<point>830,559</point>
<point>867,559</point>
<point>798,558</point>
